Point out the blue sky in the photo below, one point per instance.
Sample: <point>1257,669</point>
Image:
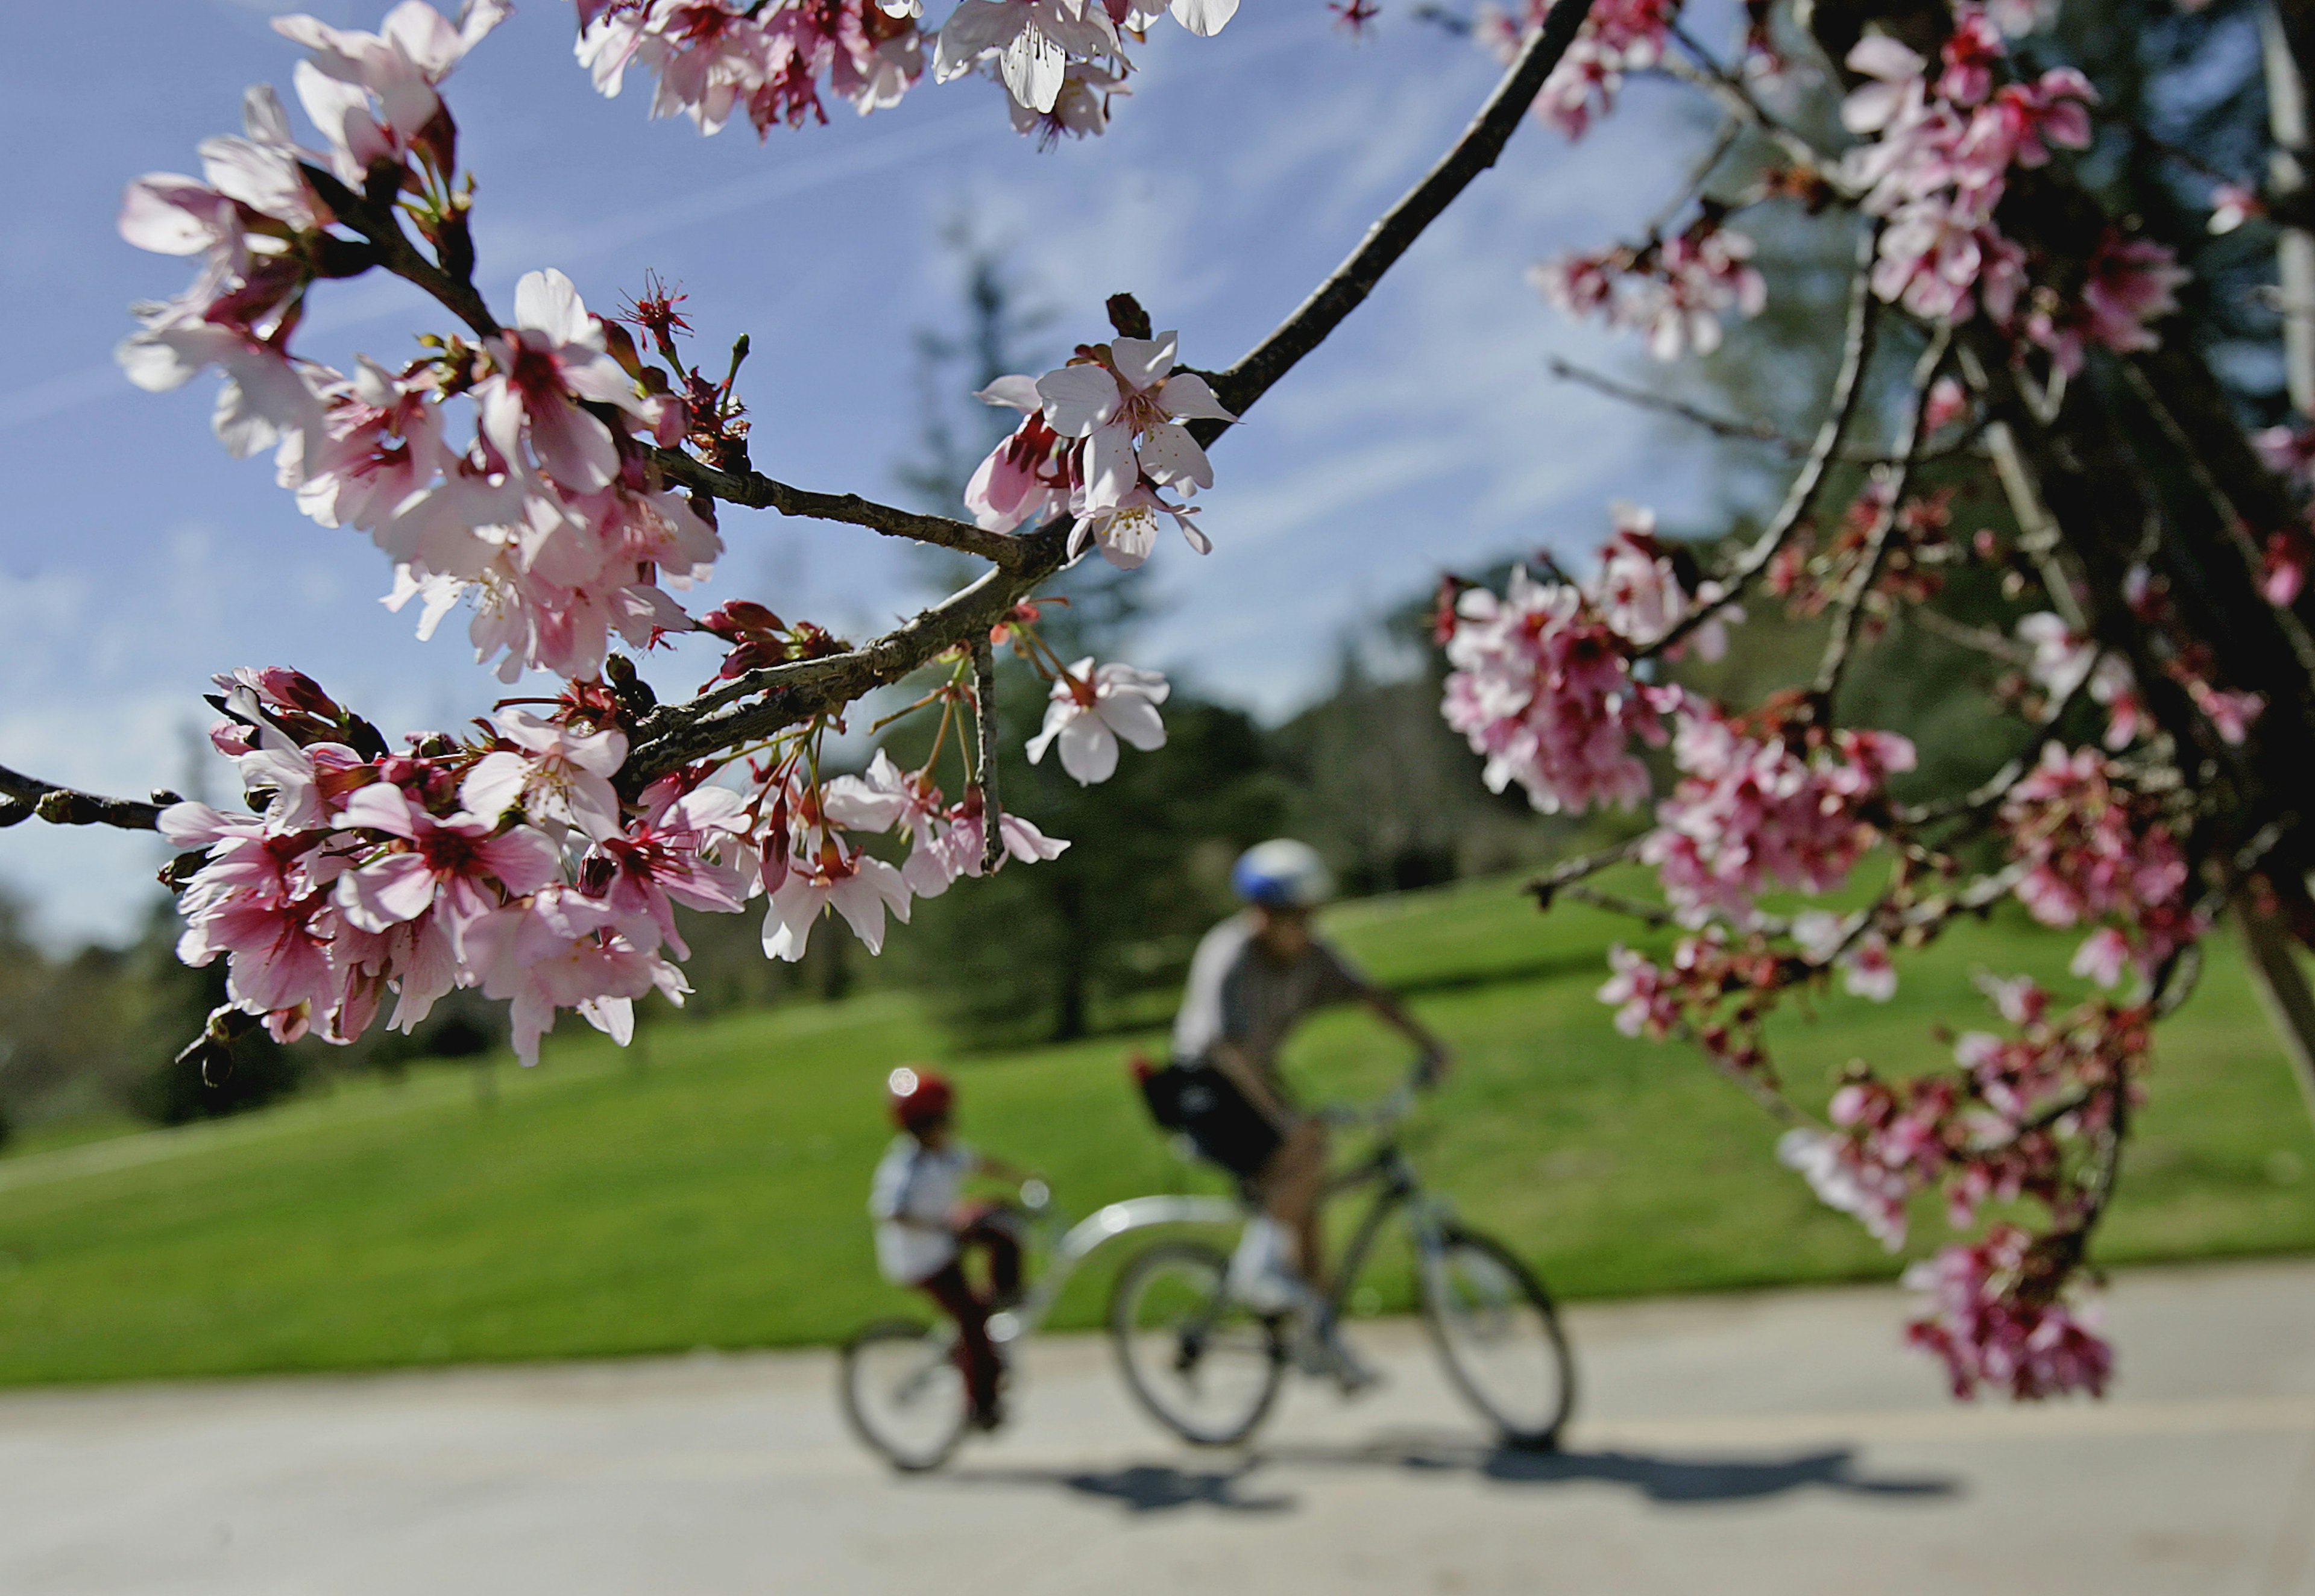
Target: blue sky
<point>137,558</point>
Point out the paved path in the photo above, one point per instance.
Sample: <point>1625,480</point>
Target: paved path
<point>1777,1443</point>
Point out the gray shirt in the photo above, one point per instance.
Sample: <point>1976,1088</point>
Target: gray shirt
<point>1239,994</point>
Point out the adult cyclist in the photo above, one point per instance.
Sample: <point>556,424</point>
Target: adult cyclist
<point>1253,980</point>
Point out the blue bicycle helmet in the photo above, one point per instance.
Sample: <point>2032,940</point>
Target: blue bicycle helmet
<point>1282,873</point>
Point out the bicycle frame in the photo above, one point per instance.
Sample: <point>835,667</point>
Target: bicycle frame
<point>1088,1235</point>
<point>1426,1217</point>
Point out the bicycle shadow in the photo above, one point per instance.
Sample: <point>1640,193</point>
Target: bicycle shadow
<point>1660,1478</point>
<point>1145,1488</point>
<point>1672,1481</point>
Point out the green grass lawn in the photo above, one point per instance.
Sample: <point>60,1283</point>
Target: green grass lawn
<point>713,1195</point>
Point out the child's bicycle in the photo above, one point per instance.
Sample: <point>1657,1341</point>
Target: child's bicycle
<point>899,1380</point>
<point>1208,1365</point>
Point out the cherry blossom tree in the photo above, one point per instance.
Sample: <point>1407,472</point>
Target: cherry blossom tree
<point>2015,336</point>
<point>565,477</point>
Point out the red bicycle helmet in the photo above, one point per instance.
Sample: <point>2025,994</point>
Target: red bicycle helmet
<point>919,1096</point>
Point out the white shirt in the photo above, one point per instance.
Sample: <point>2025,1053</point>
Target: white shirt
<point>1238,994</point>
<point>914,1182</point>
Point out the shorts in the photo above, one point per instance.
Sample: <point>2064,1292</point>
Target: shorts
<point>1227,1128</point>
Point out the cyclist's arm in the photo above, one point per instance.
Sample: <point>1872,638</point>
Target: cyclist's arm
<point>1392,1012</point>
<point>1230,1059</point>
<point>996,1168</point>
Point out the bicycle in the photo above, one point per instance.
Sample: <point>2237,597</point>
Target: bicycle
<point>1209,1367</point>
<point>898,1380</point>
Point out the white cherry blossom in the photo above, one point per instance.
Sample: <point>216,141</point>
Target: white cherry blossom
<point>1091,710</point>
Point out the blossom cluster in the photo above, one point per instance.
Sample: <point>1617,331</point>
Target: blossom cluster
<point>1618,37</point>
<point>1059,61</point>
<point>1936,167</point>
<point>1996,1318</point>
<point>364,873</point>
<point>1675,290</point>
<point>1101,440</point>
<point>1760,809</point>
<point>2094,849</point>
<point>548,518</point>
<point>1541,684</point>
<point>2010,1123</point>
<point>515,866</point>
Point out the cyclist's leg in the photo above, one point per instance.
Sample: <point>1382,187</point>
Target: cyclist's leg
<point>995,1232</point>
<point>977,1358</point>
<point>1293,1183</point>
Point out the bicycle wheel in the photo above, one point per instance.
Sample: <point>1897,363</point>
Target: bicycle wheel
<point>1499,1338</point>
<point>903,1393</point>
<point>1206,1368</point>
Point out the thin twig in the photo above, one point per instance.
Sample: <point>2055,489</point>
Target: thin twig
<point>1649,914</point>
<point>1995,788</point>
<point>1985,640</point>
<point>1849,610</point>
<point>1569,871</point>
<point>754,491</point>
<point>984,714</point>
<point>1731,129</point>
<point>1390,237</point>
<point>1741,432</point>
<point>1849,383</point>
<point>1701,70</point>
<point>24,796</point>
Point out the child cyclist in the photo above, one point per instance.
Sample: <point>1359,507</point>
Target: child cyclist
<point>923,1228</point>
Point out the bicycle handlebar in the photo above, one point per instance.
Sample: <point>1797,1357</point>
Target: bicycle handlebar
<point>1395,1106</point>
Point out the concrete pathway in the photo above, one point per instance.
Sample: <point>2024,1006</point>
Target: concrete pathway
<point>1777,1443</point>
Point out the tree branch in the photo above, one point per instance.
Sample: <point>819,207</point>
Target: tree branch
<point>1850,608</point>
<point>676,734</point>
<point>1389,238</point>
<point>1848,385</point>
<point>24,796</point>
<point>984,724</point>
<point>754,491</point>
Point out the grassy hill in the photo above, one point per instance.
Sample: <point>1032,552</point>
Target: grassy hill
<point>711,1191</point>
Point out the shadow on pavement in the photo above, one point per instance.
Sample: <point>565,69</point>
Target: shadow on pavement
<point>1144,1487</point>
<point>1658,1478</point>
<point>1160,1487</point>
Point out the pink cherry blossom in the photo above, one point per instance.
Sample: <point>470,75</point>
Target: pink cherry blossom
<point>1543,687</point>
<point>1754,812</point>
<point>1128,402</point>
<point>379,443</point>
<point>455,865</point>
<point>558,775</point>
<point>560,949</point>
<point>1617,36</point>
<point>966,838</point>
<point>2094,849</point>
<point>373,94</point>
<point>550,359</point>
<point>1091,710</point>
<point>1032,475</point>
<point>2132,283</point>
<point>1676,290</point>
<point>1638,590</point>
<point>1647,1003</point>
<point>690,851</point>
<point>1987,1320</point>
<point>1849,1182</point>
